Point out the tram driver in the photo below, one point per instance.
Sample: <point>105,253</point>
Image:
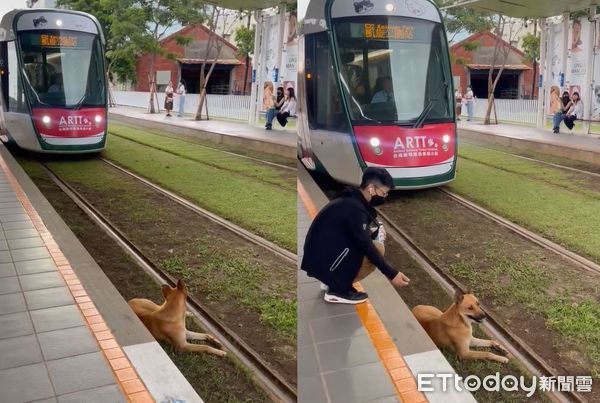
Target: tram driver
<point>386,94</point>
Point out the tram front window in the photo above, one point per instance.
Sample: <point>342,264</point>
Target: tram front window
<point>62,69</point>
<point>392,69</point>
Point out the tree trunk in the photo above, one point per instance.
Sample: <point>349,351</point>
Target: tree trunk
<point>151,82</point>
<point>247,61</point>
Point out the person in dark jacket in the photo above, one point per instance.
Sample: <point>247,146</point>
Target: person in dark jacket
<point>341,236</point>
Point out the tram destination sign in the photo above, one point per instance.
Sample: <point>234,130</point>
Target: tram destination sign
<point>385,31</point>
<point>53,41</point>
<point>399,31</point>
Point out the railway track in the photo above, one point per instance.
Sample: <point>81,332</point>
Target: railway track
<point>271,381</point>
<point>567,168</point>
<point>517,347</point>
<point>573,257</point>
<point>257,240</point>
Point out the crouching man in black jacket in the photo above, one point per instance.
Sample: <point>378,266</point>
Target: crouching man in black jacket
<point>341,236</point>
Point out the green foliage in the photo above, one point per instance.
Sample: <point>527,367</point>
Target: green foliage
<point>135,27</point>
<point>460,19</point>
<point>531,47</point>
<point>244,40</point>
<point>471,46</point>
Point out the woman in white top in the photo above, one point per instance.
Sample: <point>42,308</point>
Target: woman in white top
<point>469,98</point>
<point>575,111</point>
<point>181,93</point>
<point>288,109</point>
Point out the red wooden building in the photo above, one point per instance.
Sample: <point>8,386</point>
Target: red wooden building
<point>517,77</point>
<point>227,76</point>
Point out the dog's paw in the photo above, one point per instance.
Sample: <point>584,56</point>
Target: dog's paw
<point>499,348</point>
<point>214,341</point>
<point>503,360</point>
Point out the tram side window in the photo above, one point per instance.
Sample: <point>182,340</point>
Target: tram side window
<point>324,105</point>
<point>16,97</point>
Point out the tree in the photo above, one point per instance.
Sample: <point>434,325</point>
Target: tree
<point>244,40</point>
<point>531,47</point>
<point>464,19</point>
<point>136,27</point>
<point>214,46</point>
<point>500,57</point>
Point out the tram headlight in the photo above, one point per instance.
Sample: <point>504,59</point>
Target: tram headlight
<point>46,119</point>
<point>374,142</point>
<point>446,139</point>
<point>59,23</point>
<point>98,119</point>
<point>389,7</point>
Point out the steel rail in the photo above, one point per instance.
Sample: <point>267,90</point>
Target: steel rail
<point>271,381</point>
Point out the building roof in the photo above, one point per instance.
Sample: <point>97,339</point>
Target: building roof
<point>526,8</point>
<point>249,4</point>
<point>476,36</point>
<point>218,61</point>
<point>506,67</point>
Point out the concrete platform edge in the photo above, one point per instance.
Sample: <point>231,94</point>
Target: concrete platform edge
<point>571,152</point>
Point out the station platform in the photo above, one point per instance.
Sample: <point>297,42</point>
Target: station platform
<point>66,334</point>
<point>277,141</point>
<point>370,352</point>
<point>567,144</point>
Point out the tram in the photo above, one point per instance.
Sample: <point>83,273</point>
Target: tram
<point>52,81</point>
<point>375,89</point>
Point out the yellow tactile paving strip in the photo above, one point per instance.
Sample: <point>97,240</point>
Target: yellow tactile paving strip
<point>400,374</point>
<point>133,388</point>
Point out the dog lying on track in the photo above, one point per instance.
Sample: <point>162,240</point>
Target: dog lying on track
<point>167,321</point>
<point>453,328</point>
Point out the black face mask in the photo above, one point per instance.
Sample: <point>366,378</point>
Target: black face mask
<point>376,200</point>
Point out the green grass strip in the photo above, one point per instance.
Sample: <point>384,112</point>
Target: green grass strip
<point>211,157</point>
<point>567,217</point>
<point>262,208</point>
<point>556,176</point>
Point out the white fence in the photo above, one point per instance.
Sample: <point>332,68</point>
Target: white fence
<point>508,110</point>
<point>219,106</point>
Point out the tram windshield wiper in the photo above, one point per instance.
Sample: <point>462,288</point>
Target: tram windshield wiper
<point>429,107</point>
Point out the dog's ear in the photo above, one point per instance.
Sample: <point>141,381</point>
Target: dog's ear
<point>458,297</point>
<point>181,285</point>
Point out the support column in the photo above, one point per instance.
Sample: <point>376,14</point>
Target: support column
<point>565,49</point>
<point>587,99</point>
<point>279,44</point>
<point>256,66</point>
<point>541,110</point>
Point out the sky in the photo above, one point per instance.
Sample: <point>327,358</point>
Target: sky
<point>9,5</point>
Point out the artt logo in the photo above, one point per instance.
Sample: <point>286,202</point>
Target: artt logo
<point>414,142</point>
<point>39,22</point>
<point>363,6</point>
<point>73,121</point>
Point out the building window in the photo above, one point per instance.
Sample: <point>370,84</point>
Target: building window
<point>324,107</point>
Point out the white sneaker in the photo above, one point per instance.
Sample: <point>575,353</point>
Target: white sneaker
<point>324,287</point>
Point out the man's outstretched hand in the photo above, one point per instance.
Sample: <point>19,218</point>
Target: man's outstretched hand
<point>400,280</point>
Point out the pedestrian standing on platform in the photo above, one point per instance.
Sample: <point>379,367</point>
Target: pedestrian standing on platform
<point>575,111</point>
<point>469,97</point>
<point>169,98</point>
<point>288,108</point>
<point>346,236</point>
<point>556,108</point>
<point>458,98</point>
<point>181,93</point>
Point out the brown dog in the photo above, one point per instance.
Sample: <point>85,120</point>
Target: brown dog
<point>167,321</point>
<point>453,328</point>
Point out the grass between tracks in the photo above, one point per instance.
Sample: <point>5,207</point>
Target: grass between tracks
<point>544,199</point>
<point>215,379</point>
<point>200,153</point>
<point>262,208</point>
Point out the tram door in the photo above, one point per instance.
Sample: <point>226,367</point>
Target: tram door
<point>331,135</point>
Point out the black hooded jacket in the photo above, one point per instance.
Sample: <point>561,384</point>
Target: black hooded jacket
<point>339,238</point>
